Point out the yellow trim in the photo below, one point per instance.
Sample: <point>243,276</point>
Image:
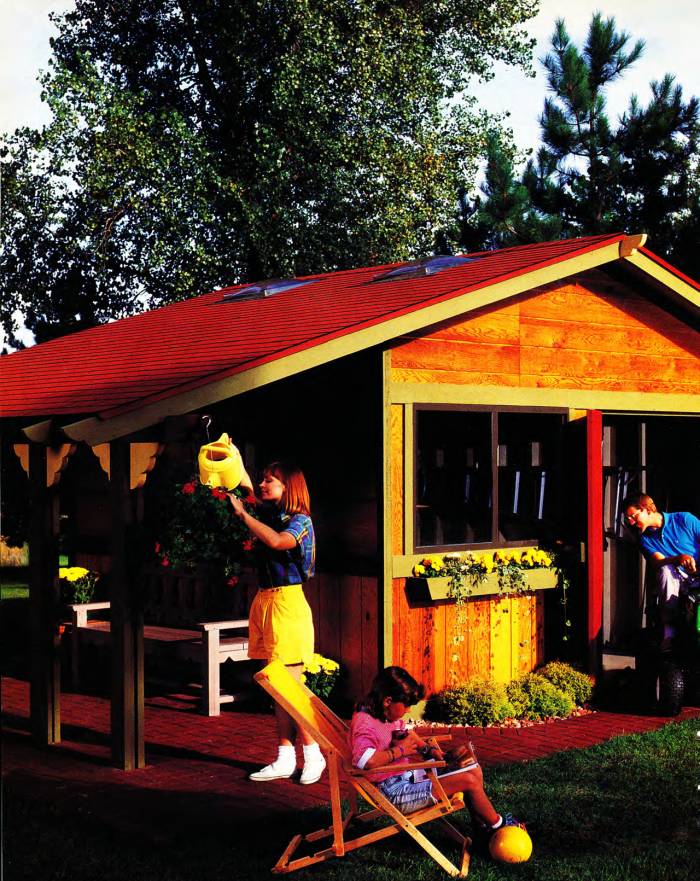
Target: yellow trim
<point>387,599</point>
<point>95,430</point>
<point>562,398</point>
<point>667,279</point>
<point>408,440</point>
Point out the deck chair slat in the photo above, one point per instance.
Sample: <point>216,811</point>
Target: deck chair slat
<point>331,732</point>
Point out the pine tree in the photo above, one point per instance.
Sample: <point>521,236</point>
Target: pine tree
<point>590,176</point>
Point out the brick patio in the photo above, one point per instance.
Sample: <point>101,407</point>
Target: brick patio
<point>197,766</point>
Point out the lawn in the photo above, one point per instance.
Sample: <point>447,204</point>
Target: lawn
<point>622,811</point>
<point>14,591</point>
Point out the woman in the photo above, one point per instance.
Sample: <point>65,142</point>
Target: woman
<point>281,626</point>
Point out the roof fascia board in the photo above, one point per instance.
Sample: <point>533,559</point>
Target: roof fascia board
<point>679,289</point>
<point>96,430</point>
<point>577,399</point>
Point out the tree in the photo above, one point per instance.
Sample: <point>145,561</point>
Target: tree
<point>589,177</point>
<point>196,144</point>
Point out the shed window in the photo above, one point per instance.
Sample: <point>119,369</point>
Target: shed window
<point>485,478</point>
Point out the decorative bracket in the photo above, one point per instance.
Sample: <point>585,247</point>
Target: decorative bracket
<point>143,457</point>
<point>56,460</point>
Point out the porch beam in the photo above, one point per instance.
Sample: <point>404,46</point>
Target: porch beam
<point>45,669</point>
<point>127,707</point>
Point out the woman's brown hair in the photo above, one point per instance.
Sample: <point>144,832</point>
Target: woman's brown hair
<point>295,499</point>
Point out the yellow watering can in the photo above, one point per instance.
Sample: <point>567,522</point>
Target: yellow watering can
<point>220,464</point>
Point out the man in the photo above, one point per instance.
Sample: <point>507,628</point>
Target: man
<point>670,543</point>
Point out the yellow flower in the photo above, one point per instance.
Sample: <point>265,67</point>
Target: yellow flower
<point>72,573</point>
<point>436,563</point>
<point>418,570</point>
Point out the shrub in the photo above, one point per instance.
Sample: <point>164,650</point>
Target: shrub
<point>534,697</point>
<point>578,686</point>
<point>476,703</point>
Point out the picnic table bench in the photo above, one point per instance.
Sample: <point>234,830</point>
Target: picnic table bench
<point>172,601</point>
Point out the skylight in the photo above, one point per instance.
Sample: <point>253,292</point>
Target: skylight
<point>421,268</point>
<point>260,290</point>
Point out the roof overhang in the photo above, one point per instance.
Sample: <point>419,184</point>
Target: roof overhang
<point>215,388</point>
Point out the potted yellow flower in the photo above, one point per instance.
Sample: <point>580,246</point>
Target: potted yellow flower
<point>77,584</point>
<point>320,675</point>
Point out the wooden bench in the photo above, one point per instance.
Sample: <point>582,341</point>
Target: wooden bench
<point>172,598</point>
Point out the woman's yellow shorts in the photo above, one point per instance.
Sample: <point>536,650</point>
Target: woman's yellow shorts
<point>281,626</point>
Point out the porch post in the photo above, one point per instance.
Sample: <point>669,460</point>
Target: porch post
<point>127,705</point>
<point>594,536</point>
<point>45,673</point>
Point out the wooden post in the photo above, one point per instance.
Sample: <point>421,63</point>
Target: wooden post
<point>594,537</point>
<point>45,675</point>
<point>127,624</point>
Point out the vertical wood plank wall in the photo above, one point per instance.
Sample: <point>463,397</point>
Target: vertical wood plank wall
<point>346,620</point>
<point>588,332</point>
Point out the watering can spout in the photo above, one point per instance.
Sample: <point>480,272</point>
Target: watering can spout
<point>220,464</point>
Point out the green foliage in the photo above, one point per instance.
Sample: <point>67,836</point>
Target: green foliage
<point>477,702</point>
<point>578,686</point>
<point>199,144</point>
<point>534,697</point>
<point>591,176</point>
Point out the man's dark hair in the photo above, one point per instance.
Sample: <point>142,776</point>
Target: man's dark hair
<point>638,500</point>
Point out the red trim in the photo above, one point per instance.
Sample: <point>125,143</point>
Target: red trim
<point>672,269</point>
<point>594,543</point>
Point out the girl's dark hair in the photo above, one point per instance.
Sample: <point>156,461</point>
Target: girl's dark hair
<point>393,682</point>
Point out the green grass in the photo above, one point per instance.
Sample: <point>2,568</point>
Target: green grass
<point>14,591</point>
<point>622,811</point>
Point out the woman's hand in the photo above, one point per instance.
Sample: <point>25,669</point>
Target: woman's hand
<point>237,505</point>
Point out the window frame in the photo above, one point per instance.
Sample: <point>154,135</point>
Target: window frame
<point>496,541</point>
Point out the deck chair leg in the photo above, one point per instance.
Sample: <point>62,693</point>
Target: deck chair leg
<point>336,807</point>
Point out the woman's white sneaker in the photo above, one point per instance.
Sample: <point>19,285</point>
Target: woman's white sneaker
<point>313,768</point>
<point>276,771</point>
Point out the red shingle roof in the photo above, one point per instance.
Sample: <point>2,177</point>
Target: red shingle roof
<point>119,366</point>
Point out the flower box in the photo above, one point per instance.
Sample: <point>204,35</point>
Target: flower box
<point>437,588</point>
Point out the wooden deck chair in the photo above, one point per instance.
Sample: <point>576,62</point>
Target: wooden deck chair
<point>332,735</point>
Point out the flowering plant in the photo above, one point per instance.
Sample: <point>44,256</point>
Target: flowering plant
<point>320,675</point>
<point>77,584</point>
<point>467,571</point>
<point>202,528</point>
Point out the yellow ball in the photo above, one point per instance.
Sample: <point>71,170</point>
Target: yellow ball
<point>511,844</point>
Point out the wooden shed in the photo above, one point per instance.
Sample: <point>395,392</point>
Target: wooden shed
<point>501,399</point>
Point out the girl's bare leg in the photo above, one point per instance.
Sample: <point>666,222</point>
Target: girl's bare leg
<point>471,783</point>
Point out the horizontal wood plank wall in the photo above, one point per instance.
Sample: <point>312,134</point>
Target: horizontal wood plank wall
<point>346,620</point>
<point>503,638</point>
<point>588,333</point>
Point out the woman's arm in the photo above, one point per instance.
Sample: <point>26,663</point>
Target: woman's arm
<point>277,541</point>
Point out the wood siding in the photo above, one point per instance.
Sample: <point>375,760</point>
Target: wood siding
<point>346,620</point>
<point>588,333</point>
<point>503,638</point>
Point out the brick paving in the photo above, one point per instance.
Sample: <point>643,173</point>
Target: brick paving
<point>197,766</point>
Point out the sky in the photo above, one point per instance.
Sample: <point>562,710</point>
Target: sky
<point>670,30</point>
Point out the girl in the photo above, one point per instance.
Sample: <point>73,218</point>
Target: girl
<point>373,740</point>
<point>281,626</point>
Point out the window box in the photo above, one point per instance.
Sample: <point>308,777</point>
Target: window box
<point>438,588</point>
